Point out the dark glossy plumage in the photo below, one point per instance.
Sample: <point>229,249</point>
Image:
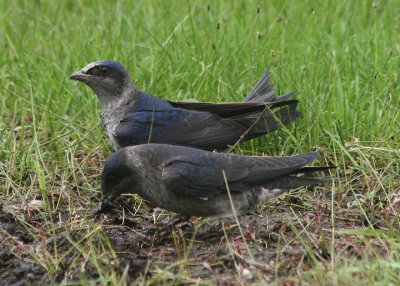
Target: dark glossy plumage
<point>132,117</point>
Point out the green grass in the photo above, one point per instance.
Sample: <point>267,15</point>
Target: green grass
<point>343,58</point>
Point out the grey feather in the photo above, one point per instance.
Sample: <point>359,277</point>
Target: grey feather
<point>191,181</point>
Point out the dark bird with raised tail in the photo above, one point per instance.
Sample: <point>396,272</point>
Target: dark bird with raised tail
<point>132,117</point>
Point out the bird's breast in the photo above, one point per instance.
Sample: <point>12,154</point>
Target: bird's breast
<point>111,117</point>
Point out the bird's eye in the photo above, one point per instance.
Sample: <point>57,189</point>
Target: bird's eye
<point>105,70</point>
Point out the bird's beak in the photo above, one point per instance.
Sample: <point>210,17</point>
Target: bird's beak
<point>107,206</point>
<point>79,75</point>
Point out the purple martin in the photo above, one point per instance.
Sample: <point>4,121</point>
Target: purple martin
<point>131,117</point>
<point>192,181</point>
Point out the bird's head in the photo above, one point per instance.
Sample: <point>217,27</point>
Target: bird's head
<point>108,79</point>
<point>122,174</point>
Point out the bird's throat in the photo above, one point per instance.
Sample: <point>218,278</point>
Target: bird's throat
<point>113,111</point>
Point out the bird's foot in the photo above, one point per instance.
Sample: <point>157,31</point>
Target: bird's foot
<point>176,222</point>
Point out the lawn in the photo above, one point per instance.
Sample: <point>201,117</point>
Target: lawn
<point>342,58</point>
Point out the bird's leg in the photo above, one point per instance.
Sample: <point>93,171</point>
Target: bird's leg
<point>169,226</point>
<point>108,206</point>
<point>103,208</point>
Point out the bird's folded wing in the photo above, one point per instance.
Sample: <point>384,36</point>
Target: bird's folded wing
<point>231,109</point>
<point>205,130</point>
<point>178,127</point>
<point>203,176</point>
<point>143,126</point>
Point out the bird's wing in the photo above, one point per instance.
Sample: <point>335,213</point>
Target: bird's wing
<point>208,126</point>
<point>205,130</point>
<point>231,109</point>
<point>144,126</point>
<point>179,127</point>
<point>202,176</point>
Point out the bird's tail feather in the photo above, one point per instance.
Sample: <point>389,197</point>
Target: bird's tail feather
<point>313,169</point>
<point>292,182</point>
<point>271,122</point>
<point>284,184</point>
<point>263,91</point>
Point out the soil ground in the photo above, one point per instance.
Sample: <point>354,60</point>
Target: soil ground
<point>281,239</point>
